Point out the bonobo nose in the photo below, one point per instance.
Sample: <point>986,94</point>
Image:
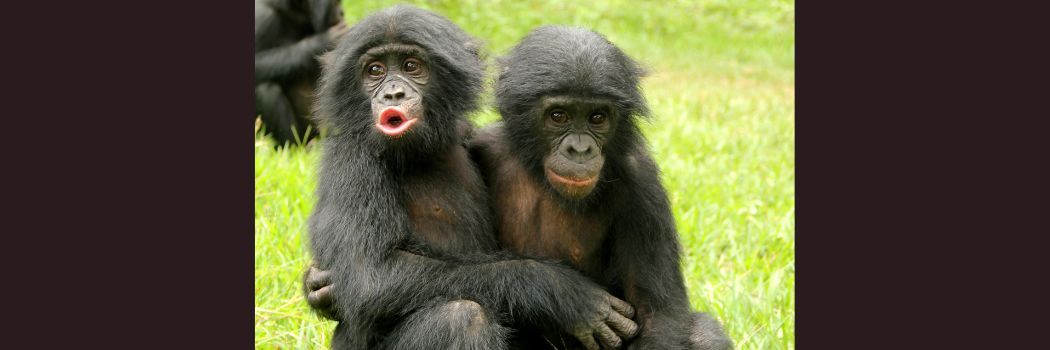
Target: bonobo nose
<point>579,150</point>
<point>394,93</point>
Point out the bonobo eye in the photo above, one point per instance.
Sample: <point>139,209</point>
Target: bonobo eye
<point>412,66</point>
<point>376,70</point>
<point>559,116</point>
<point>597,118</point>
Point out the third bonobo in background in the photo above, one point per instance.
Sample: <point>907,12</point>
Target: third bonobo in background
<point>289,36</point>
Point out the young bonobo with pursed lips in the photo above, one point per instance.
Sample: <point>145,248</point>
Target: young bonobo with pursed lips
<point>402,224</point>
<point>571,179</point>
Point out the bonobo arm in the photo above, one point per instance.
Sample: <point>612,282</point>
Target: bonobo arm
<point>358,230</point>
<point>285,62</point>
<point>609,330</point>
<point>645,256</point>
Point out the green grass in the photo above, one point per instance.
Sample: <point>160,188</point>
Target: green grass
<point>722,91</point>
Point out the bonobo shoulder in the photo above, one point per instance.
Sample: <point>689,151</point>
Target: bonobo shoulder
<point>466,130</point>
<point>488,141</point>
<point>488,147</point>
<point>639,162</point>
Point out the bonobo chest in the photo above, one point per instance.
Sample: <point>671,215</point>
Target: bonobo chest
<point>531,222</point>
<point>447,205</point>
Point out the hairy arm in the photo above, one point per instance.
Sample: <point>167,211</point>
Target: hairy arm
<point>290,60</point>
<point>359,232</point>
<point>285,62</point>
<point>646,257</point>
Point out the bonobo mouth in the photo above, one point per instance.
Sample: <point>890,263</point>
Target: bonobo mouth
<point>394,122</point>
<point>572,181</point>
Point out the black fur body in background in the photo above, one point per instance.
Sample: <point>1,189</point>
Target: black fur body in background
<point>289,36</point>
<point>622,232</point>
<point>402,223</point>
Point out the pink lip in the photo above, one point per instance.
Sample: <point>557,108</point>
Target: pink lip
<point>394,122</point>
<point>572,182</point>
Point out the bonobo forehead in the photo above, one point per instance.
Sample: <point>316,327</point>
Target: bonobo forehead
<point>408,25</point>
<point>559,60</point>
<point>576,102</point>
<point>397,50</point>
<point>569,56</point>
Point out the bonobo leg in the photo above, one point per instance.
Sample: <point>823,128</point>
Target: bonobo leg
<point>278,114</point>
<point>458,324</point>
<point>707,334</point>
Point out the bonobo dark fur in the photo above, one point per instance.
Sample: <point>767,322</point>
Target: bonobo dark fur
<point>289,35</point>
<point>572,179</point>
<point>402,222</point>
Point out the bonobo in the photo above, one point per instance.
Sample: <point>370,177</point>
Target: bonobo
<point>571,179</point>
<point>289,36</point>
<point>402,223</point>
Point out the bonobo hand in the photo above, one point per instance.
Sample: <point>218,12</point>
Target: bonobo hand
<point>611,326</point>
<point>319,291</point>
<point>336,32</point>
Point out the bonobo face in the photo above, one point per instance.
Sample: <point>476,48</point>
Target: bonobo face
<point>395,75</point>
<point>576,129</point>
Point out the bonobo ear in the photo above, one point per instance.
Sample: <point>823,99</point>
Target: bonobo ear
<point>326,58</point>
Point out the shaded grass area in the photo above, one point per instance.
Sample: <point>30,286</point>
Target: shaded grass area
<point>721,87</point>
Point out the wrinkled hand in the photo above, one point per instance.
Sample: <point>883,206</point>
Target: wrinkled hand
<point>610,327</point>
<point>319,291</point>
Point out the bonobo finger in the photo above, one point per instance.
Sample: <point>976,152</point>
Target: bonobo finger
<point>317,278</point>
<point>587,340</point>
<point>321,298</point>
<point>608,339</point>
<point>623,326</point>
<point>623,307</point>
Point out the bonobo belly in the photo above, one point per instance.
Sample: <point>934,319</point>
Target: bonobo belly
<point>534,224</point>
<point>448,206</point>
